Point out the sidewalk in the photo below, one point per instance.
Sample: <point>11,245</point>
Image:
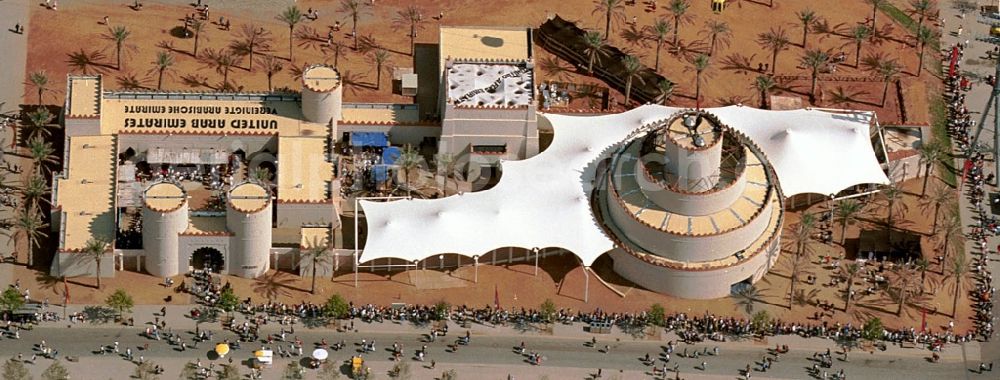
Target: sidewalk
<point>176,319</point>
<point>14,48</point>
<point>975,101</point>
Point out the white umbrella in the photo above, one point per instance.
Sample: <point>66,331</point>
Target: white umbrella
<point>320,354</point>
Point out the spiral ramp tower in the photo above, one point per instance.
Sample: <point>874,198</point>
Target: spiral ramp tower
<point>694,207</point>
<point>164,216</point>
<point>248,217</point>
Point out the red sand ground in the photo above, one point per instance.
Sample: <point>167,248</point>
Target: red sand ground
<point>55,35</point>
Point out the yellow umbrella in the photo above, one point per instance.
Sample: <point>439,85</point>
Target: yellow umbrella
<point>258,354</point>
<point>222,349</point>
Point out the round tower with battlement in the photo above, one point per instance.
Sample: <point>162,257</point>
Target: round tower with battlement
<point>164,216</point>
<point>322,94</point>
<point>248,217</point>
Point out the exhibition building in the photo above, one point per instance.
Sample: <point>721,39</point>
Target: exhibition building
<point>687,202</point>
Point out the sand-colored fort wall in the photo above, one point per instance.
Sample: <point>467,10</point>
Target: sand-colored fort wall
<point>696,170</point>
<point>686,203</point>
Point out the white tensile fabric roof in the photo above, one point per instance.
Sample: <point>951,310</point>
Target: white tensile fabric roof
<point>543,201</point>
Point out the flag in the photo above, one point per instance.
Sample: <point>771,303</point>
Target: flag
<point>65,292</point>
<point>496,296</point>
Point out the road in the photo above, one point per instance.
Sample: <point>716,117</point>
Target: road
<point>492,356</point>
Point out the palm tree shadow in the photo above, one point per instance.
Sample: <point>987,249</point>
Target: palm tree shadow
<point>355,81</point>
<point>197,80</point>
<point>739,63</point>
<point>169,45</point>
<point>275,284</point>
<point>555,68</point>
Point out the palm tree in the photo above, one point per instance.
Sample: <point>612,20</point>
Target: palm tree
<point>699,64</point>
<point>95,249</point>
<point>678,10</point>
<point>923,36</point>
<point>893,195</point>
<point>291,16</point>
<point>959,268</point>
<point>118,34</point>
<point>666,88</point>
<point>28,223</point>
<point>41,153</point>
<point>319,254</point>
<point>222,61</point>
<point>410,16</point>
<point>763,84</point>
<point>271,66</point>
<point>849,270</point>
<point>922,8</point>
<point>814,60</point>
<point>380,57</point>
<point>800,236</point>
<point>409,159</point>
<point>807,17</point>
<point>774,40</point>
<point>338,50</point>
<point>930,154</point>
<point>883,67</point>
<point>197,26</point>
<point>951,228</point>
<point>445,166</point>
<point>632,67</point>
<point>658,32</point>
<point>747,297</point>
<point>38,122</point>
<point>40,81</point>
<point>610,9</point>
<point>353,8</point>
<point>876,4</point>
<point>252,39</point>
<point>846,211</point>
<point>940,195</point>
<point>162,62</point>
<point>34,191</point>
<point>593,46</point>
<point>718,33</point>
<point>904,278</point>
<point>859,34</point>
<point>922,265</point>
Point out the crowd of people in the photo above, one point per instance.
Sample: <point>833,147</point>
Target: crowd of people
<point>961,127</point>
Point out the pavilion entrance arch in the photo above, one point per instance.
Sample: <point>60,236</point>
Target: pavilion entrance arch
<point>208,258</point>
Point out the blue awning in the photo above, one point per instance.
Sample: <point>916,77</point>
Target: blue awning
<point>390,155</point>
<point>369,139</point>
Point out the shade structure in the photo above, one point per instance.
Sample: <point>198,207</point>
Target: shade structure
<point>222,349</point>
<point>320,354</point>
<point>369,139</point>
<point>544,201</point>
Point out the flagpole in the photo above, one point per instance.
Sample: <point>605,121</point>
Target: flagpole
<point>65,296</point>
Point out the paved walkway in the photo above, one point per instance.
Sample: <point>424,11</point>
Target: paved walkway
<point>975,101</point>
<point>14,48</point>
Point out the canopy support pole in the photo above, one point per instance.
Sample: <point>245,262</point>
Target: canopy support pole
<point>356,242</point>
<point>535,251</point>
<point>586,285</point>
<point>476,279</point>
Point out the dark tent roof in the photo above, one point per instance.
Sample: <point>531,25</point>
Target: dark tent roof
<point>566,40</point>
